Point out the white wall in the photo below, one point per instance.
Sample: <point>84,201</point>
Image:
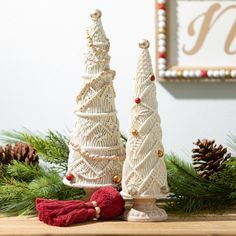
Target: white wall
<point>41,55</point>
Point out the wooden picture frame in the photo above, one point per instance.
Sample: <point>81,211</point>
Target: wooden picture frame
<point>196,40</point>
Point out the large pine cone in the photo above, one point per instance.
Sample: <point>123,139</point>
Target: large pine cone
<point>209,158</point>
<point>20,152</point>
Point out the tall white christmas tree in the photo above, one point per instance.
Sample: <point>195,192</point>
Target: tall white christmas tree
<point>144,172</point>
<point>96,151</point>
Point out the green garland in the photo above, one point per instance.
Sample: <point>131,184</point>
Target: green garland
<point>21,184</point>
<point>192,194</point>
<point>53,146</point>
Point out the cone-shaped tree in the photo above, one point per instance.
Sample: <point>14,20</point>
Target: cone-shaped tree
<point>96,152</point>
<point>144,171</point>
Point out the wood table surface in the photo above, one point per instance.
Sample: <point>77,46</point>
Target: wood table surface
<point>195,225</point>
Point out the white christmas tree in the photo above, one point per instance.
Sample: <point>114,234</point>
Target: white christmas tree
<point>144,172</point>
<point>96,151</point>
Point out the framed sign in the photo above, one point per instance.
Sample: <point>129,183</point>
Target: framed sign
<point>196,40</point>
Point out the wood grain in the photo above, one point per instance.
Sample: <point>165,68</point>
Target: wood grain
<point>179,226</point>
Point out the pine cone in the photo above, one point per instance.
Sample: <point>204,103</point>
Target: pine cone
<point>20,152</point>
<point>209,158</point>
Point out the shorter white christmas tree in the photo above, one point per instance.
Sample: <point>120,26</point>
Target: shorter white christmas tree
<point>144,171</point>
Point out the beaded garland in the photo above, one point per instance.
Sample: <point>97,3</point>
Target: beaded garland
<point>86,154</point>
<point>162,60</point>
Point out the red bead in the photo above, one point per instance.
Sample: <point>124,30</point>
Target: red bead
<point>152,78</point>
<point>137,100</point>
<point>204,73</point>
<point>162,55</point>
<point>69,177</point>
<point>161,6</point>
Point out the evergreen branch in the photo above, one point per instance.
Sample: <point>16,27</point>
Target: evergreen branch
<point>176,163</point>
<point>187,177</point>
<point>17,197</point>
<point>22,172</point>
<point>226,178</point>
<point>191,193</point>
<point>53,146</point>
<point>13,136</point>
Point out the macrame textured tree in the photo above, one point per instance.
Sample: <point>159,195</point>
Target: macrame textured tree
<point>144,172</point>
<point>96,152</point>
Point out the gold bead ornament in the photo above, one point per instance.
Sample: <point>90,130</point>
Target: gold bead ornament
<point>227,73</point>
<point>165,189</point>
<point>96,14</point>
<point>135,132</point>
<point>144,44</point>
<point>179,73</point>
<point>161,31</point>
<point>160,153</point>
<point>116,179</point>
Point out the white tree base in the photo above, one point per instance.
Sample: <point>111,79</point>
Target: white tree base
<point>145,210</point>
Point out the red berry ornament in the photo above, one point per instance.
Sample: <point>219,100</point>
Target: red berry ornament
<point>137,100</point>
<point>161,6</point>
<point>152,78</point>
<point>204,73</point>
<point>162,55</point>
<point>69,176</point>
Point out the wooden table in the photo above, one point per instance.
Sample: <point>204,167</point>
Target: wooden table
<point>194,225</point>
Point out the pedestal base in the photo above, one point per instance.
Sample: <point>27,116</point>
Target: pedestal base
<point>145,210</point>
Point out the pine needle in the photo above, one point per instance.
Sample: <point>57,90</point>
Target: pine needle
<point>191,193</point>
<point>23,172</point>
<point>18,192</point>
<point>53,146</point>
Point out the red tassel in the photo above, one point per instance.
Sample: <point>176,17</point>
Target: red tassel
<point>106,203</point>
